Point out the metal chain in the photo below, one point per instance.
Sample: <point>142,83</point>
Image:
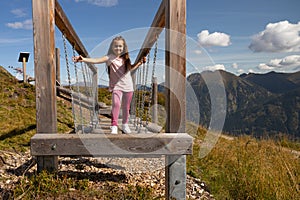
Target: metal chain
<point>69,78</point>
<point>146,68</point>
<point>135,97</point>
<point>87,91</point>
<point>152,79</point>
<point>140,114</point>
<point>78,91</point>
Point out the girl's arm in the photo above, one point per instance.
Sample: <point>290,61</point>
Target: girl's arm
<point>80,58</point>
<point>136,65</point>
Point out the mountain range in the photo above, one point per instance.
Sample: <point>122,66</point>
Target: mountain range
<point>262,105</point>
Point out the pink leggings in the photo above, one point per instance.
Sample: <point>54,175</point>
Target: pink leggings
<point>118,97</point>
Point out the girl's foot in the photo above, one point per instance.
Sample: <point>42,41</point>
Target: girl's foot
<point>114,129</point>
<point>125,128</point>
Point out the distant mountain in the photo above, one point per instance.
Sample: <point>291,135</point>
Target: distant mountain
<point>279,115</point>
<point>275,82</point>
<point>257,104</point>
<point>102,86</point>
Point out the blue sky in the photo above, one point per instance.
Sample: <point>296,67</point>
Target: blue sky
<point>237,36</point>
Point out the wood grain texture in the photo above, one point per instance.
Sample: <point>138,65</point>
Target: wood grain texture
<point>111,145</point>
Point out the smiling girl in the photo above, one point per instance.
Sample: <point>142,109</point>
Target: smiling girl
<point>120,81</point>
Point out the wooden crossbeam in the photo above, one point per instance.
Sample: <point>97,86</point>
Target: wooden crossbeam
<point>63,24</point>
<point>136,145</point>
<point>157,26</point>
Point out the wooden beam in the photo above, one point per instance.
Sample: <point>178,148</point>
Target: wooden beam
<point>154,101</point>
<point>63,24</point>
<point>175,58</point>
<point>45,74</point>
<point>156,28</point>
<point>175,73</point>
<point>137,145</point>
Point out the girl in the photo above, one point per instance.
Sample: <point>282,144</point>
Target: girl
<point>120,81</point>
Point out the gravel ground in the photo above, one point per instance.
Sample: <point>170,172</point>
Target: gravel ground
<point>146,171</point>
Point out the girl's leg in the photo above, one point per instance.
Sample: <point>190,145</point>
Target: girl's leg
<point>127,96</point>
<point>116,104</point>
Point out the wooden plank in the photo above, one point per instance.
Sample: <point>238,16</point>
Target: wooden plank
<point>45,74</point>
<point>111,145</point>
<point>64,25</point>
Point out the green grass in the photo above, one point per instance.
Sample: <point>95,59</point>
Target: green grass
<point>53,186</point>
<point>246,168</point>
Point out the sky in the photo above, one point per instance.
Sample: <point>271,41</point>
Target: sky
<point>256,36</point>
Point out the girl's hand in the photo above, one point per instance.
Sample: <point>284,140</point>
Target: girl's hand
<point>77,58</point>
<point>144,59</point>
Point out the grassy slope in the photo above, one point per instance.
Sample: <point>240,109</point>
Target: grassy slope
<point>247,168</point>
<point>18,115</point>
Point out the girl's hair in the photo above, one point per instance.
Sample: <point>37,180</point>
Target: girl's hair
<point>124,55</point>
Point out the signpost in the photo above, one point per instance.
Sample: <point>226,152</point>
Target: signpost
<point>23,57</point>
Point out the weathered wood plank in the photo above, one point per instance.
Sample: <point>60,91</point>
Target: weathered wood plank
<point>175,45</point>
<point>111,145</point>
<point>175,65</point>
<point>45,73</point>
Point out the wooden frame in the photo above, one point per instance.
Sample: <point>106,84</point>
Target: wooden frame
<point>47,145</point>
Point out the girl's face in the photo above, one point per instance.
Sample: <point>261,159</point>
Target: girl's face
<point>118,47</point>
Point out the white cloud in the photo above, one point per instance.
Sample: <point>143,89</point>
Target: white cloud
<point>240,71</point>
<point>287,63</point>
<point>27,24</point>
<point>214,67</point>
<point>18,12</point>
<point>277,37</point>
<point>264,66</point>
<point>213,39</point>
<point>101,3</point>
<point>198,52</point>
<point>235,66</point>
<point>9,41</point>
<point>251,71</point>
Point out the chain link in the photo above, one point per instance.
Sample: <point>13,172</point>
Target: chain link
<point>69,78</point>
<point>152,80</point>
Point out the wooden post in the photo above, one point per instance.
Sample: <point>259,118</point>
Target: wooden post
<point>24,70</point>
<point>175,13</point>
<point>23,57</point>
<point>44,60</point>
<point>57,65</point>
<point>154,100</point>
